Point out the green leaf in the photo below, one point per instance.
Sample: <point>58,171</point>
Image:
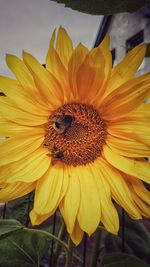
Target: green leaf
<point>20,207</point>
<point>113,243</point>
<point>103,7</point>
<point>9,226</point>
<point>23,248</point>
<point>136,239</point>
<point>122,260</point>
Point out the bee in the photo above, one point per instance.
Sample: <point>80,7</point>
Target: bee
<point>62,122</point>
<point>56,155</point>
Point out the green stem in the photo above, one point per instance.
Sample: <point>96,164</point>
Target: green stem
<point>51,236</point>
<point>61,235</point>
<point>70,253</point>
<point>77,258</point>
<point>38,262</point>
<point>95,252</point>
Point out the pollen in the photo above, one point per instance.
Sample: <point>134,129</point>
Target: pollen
<point>75,134</point>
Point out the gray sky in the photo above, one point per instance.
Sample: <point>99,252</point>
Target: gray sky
<point>28,24</point>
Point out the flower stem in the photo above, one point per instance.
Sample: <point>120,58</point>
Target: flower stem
<point>95,252</point>
<point>52,243</point>
<point>69,255</point>
<point>61,235</point>
<point>51,236</point>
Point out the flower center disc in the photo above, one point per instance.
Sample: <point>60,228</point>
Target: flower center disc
<point>75,134</point>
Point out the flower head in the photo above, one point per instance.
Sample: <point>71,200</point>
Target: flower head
<point>77,132</point>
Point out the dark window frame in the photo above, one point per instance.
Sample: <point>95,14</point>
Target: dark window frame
<point>134,40</point>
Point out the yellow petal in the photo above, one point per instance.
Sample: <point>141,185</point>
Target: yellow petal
<point>131,129</point>
<point>21,96</point>
<point>143,207</point>
<point>76,60</point>
<point>143,111</point>
<point>53,85</point>
<point>28,169</point>
<point>56,67</point>
<point>48,191</point>
<point>20,146</point>
<point>129,96</point>
<point>46,83</point>
<point>64,46</point>
<point>21,71</point>
<point>126,69</point>
<point>90,75</point>
<point>37,219</point>
<point>2,185</point>
<point>128,148</point>
<point>105,50</point>
<point>15,190</point>
<point>141,191</point>
<point>71,200</point>
<point>119,189</point>
<point>77,234</point>
<point>9,128</point>
<point>89,209</point>
<point>11,112</point>
<point>129,166</point>
<point>109,215</point>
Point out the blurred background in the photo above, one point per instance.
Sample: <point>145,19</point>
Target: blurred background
<point>28,25</point>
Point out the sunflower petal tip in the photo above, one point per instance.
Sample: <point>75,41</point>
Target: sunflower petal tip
<point>52,40</point>
<point>25,56</point>
<point>76,242</point>
<point>105,42</point>
<point>33,217</point>
<point>61,28</point>
<point>107,36</point>
<point>7,57</point>
<point>24,53</point>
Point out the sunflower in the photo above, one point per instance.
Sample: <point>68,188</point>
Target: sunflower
<point>78,134</point>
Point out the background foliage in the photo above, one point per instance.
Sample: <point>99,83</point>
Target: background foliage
<point>104,7</point>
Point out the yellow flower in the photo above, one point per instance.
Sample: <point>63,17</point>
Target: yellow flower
<point>78,133</point>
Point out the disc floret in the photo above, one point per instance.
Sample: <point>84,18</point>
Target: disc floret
<point>75,134</point>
